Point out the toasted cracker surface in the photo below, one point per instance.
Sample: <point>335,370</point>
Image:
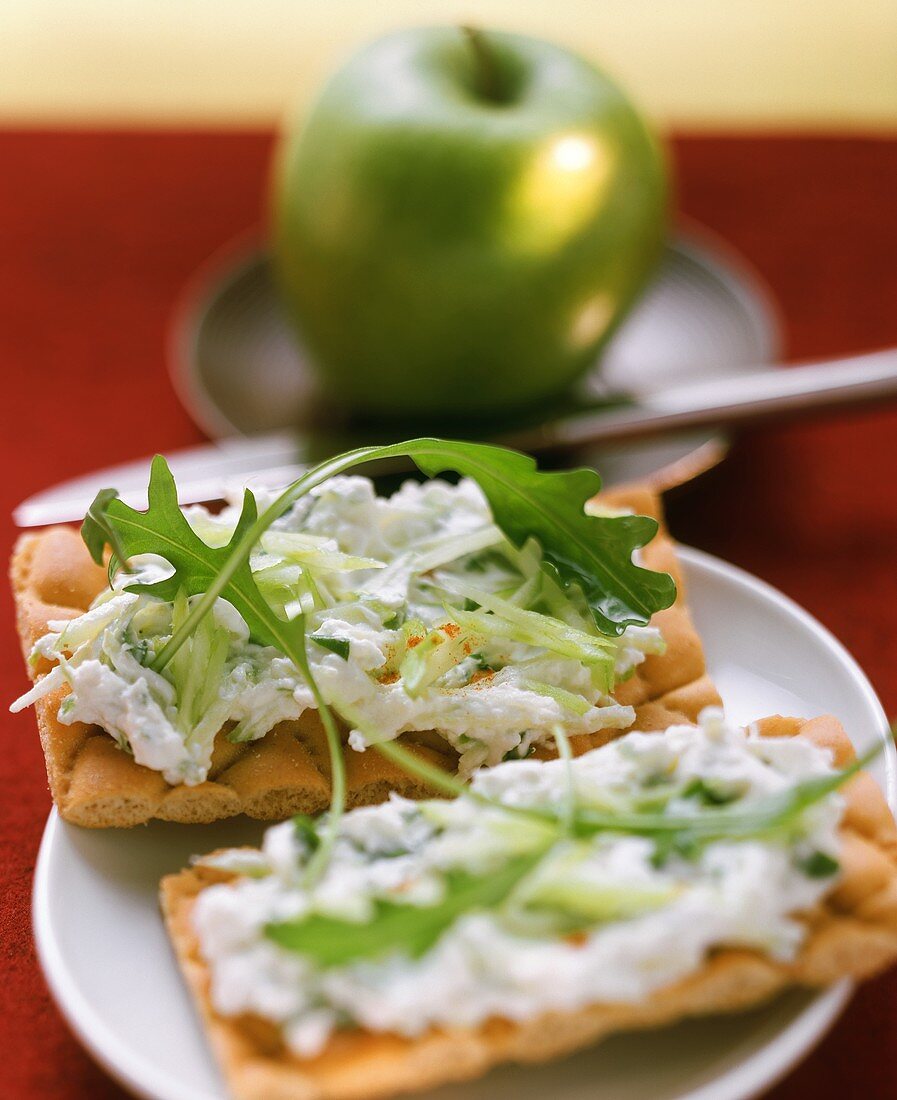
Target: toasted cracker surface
<point>852,934</point>
<point>95,784</point>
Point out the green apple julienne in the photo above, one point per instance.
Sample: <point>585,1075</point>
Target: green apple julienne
<point>462,220</point>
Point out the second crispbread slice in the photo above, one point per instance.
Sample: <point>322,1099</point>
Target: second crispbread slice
<point>851,933</point>
<point>95,784</point>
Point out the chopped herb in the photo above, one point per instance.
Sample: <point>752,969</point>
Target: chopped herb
<point>479,563</point>
<point>142,651</point>
<point>307,830</point>
<point>699,788</point>
<point>819,865</point>
<point>520,753</point>
<point>339,646</point>
<point>481,663</point>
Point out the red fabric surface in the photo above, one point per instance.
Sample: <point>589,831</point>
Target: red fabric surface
<point>99,231</point>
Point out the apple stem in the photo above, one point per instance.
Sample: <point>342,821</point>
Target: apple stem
<point>488,83</point>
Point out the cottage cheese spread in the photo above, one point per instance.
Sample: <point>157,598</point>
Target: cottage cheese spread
<point>646,922</point>
<point>375,577</point>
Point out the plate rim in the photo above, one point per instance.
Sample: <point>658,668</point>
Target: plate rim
<point>81,1016</point>
<point>746,1080</point>
<point>721,260</point>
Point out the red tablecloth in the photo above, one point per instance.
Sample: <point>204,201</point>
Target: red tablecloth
<point>99,231</point>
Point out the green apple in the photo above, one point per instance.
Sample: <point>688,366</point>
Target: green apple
<point>462,220</point>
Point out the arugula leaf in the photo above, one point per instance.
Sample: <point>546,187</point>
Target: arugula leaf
<point>410,929</point>
<point>96,531</point>
<point>210,572</point>
<point>593,553</point>
<point>198,568</point>
<point>770,816</point>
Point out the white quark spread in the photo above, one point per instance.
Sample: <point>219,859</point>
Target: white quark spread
<point>393,589</point>
<point>590,920</point>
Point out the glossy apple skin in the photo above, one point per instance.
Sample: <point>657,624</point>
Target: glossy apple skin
<point>444,252</point>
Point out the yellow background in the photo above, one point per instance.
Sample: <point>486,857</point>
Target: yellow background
<point>696,64</point>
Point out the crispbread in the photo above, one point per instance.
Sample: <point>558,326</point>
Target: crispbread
<point>852,934</point>
<point>95,784</point>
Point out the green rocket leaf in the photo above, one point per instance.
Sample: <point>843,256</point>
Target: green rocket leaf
<point>411,929</point>
<point>198,568</point>
<point>593,553</point>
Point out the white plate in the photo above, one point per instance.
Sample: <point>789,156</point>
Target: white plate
<point>104,952</point>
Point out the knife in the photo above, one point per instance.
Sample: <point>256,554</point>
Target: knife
<point>209,471</point>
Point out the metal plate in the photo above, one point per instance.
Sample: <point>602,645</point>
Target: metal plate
<point>240,369</point>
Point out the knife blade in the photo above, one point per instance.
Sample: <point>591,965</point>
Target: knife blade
<point>208,471</point>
